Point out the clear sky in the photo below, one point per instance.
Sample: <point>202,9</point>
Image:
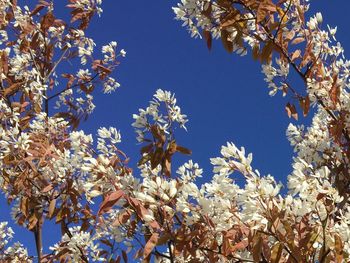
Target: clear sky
<point>224,95</point>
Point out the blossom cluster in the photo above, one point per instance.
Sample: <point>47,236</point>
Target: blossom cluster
<point>15,252</point>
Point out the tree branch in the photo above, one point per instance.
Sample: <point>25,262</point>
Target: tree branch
<point>38,239</point>
<point>73,86</point>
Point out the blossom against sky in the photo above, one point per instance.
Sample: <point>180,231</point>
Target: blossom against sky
<point>224,95</point>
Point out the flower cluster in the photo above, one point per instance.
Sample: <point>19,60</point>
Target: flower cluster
<point>152,115</point>
<point>16,252</point>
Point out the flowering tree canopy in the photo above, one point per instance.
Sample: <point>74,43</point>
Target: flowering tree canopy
<point>108,212</point>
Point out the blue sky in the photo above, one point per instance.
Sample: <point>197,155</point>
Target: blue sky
<point>224,95</point>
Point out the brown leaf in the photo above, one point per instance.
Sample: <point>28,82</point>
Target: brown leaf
<point>296,54</point>
<point>257,247</point>
<point>4,63</point>
<point>110,201</point>
<point>147,148</point>
<point>156,158</point>
<point>125,256</point>
<point>62,214</point>
<point>52,207</point>
<point>228,45</point>
<point>144,159</point>
<point>305,105</point>
<point>336,129</point>
<point>47,21</point>
<point>264,8</point>
<point>24,205</point>
<point>255,52</point>
<point>167,165</point>
<point>37,9</point>
<point>266,53</point>
<point>183,150</point>
<point>122,219</point>
<point>104,69</point>
<point>290,35</point>
<point>291,111</point>
<point>158,133</point>
<point>12,89</point>
<point>33,220</point>
<point>35,41</point>
<point>138,253</point>
<point>208,38</point>
<point>151,243</point>
<point>276,253</point>
<point>154,224</point>
<point>241,245</point>
<point>207,12</point>
<point>163,239</point>
<point>298,40</point>
<point>261,14</point>
<point>47,188</point>
<point>334,91</point>
<point>339,249</point>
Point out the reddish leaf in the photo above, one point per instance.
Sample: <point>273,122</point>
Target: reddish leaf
<point>138,253</point>
<point>24,206</point>
<point>144,159</point>
<point>298,40</point>
<point>4,63</point>
<point>291,111</point>
<point>335,91</point>
<point>296,54</point>
<point>156,157</point>
<point>257,247</point>
<point>12,89</point>
<point>151,243</point>
<point>47,188</point>
<point>147,148</point>
<point>264,8</point>
<point>305,105</point>
<point>183,150</point>
<point>125,256</point>
<point>104,69</point>
<point>52,207</point>
<point>167,165</point>
<point>33,220</point>
<point>158,133</point>
<point>228,45</point>
<point>276,253</point>
<point>241,245</point>
<point>122,218</point>
<point>37,9</point>
<point>339,248</point>
<point>208,38</point>
<point>47,21</point>
<point>110,201</point>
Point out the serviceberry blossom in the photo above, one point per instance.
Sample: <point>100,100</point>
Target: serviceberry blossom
<point>158,212</point>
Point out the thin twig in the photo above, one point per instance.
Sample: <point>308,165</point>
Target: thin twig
<point>73,86</point>
<point>280,23</point>
<point>38,239</point>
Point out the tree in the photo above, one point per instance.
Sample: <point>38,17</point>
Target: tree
<point>51,170</point>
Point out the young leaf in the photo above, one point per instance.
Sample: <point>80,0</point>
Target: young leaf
<point>208,38</point>
<point>183,150</point>
<point>110,201</point>
<point>151,243</point>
